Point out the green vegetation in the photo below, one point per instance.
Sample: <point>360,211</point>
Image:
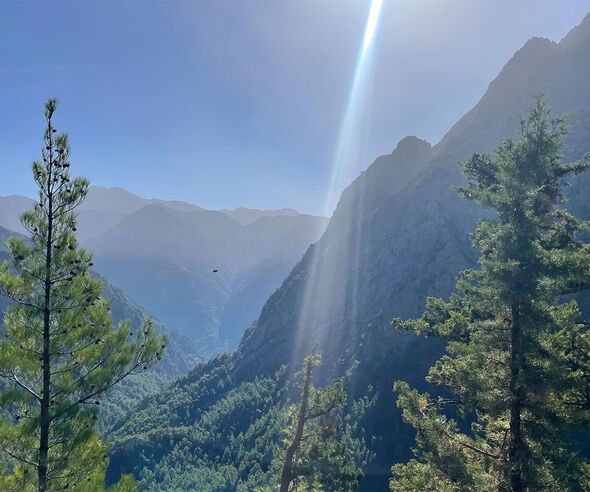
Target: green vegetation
<point>61,352</point>
<point>517,367</point>
<point>227,425</point>
<point>320,452</point>
<point>179,357</point>
<point>240,434</point>
<point>204,432</point>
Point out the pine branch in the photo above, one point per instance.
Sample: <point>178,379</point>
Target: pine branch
<point>76,349</point>
<point>30,272</point>
<point>67,369</point>
<point>18,458</point>
<point>471,447</point>
<point>323,411</point>
<point>103,389</point>
<point>12,377</point>
<point>448,401</point>
<point>21,302</point>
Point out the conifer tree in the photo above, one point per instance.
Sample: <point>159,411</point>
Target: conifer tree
<point>61,352</point>
<point>518,357</point>
<point>321,453</point>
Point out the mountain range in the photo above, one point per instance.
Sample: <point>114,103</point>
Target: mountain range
<point>163,254</point>
<point>400,233</point>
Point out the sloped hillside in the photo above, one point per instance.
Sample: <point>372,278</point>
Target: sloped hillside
<point>399,234</point>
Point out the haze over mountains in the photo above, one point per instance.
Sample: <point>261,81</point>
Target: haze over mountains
<point>163,253</point>
<point>398,235</point>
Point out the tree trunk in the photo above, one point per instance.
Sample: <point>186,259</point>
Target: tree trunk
<point>516,449</point>
<point>287,473</point>
<point>46,358</point>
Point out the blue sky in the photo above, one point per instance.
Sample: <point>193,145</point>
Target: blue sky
<point>240,103</point>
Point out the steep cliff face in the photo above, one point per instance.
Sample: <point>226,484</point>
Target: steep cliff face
<point>541,66</point>
<point>392,241</point>
<point>399,234</point>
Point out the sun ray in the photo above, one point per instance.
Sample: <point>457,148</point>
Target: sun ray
<point>331,286</point>
<point>348,147</point>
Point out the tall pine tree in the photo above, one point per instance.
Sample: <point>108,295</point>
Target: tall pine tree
<point>61,352</point>
<point>518,358</point>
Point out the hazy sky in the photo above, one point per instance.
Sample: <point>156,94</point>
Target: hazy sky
<point>240,103</point>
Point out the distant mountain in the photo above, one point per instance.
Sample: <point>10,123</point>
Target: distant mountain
<point>163,254</point>
<point>246,216</point>
<point>165,258</point>
<point>11,207</point>
<point>122,201</point>
<point>398,235</point>
<point>101,210</point>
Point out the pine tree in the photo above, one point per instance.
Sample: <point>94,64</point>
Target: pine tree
<point>61,352</point>
<point>518,359</point>
<point>321,453</point>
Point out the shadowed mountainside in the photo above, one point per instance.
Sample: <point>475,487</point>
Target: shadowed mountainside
<point>398,235</point>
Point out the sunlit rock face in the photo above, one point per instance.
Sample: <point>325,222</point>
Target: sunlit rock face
<point>398,235</point>
<point>558,70</point>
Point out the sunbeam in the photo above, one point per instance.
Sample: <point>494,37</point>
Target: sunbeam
<point>331,287</point>
<point>352,133</point>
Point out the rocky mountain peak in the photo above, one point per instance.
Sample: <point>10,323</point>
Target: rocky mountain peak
<point>412,144</point>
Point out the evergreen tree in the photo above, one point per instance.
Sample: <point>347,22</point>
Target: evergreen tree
<point>61,352</point>
<point>518,358</point>
<point>320,452</point>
